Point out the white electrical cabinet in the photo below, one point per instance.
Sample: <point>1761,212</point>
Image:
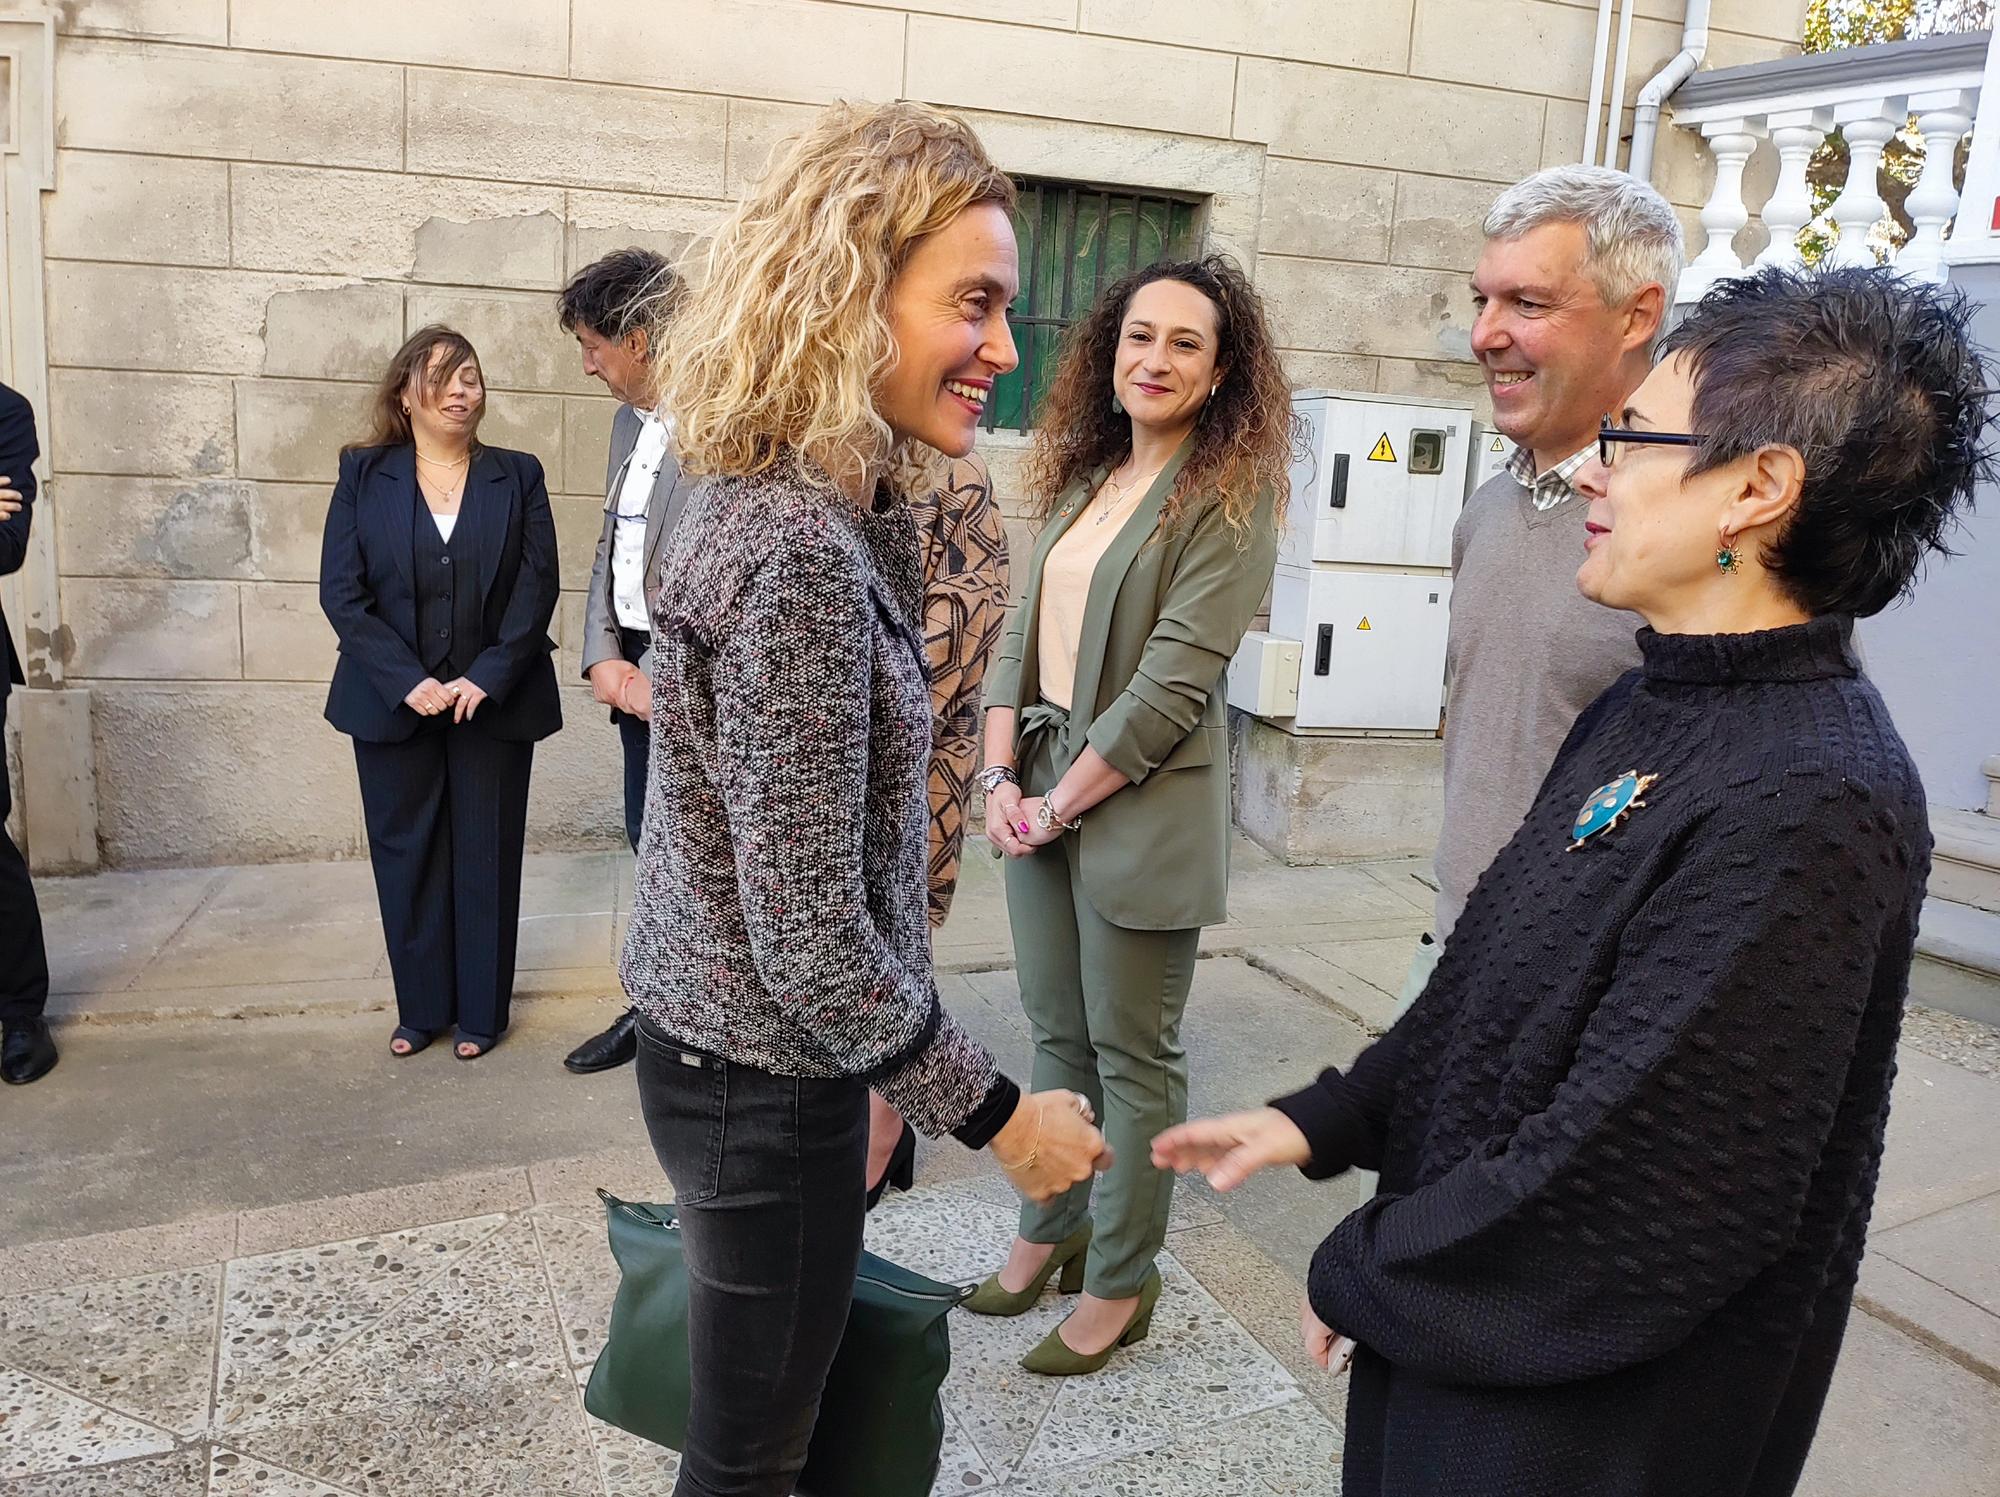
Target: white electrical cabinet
<point>1363,582</point>
<point>1491,453</point>
<point>1372,646</point>
<point>1380,483</point>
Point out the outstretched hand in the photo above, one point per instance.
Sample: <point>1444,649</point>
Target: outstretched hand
<point>1050,1144</point>
<point>1230,1149</point>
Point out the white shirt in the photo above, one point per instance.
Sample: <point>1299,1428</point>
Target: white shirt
<point>628,534</point>
<point>446,524</point>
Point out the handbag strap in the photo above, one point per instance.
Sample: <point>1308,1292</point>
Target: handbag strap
<point>640,1211</point>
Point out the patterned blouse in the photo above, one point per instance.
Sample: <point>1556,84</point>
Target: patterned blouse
<point>964,543</point>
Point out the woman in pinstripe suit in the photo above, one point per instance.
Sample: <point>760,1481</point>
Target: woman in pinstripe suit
<point>439,577</point>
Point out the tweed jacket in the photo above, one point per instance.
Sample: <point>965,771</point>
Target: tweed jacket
<point>964,543</point>
<point>1167,608</point>
<point>778,914</point>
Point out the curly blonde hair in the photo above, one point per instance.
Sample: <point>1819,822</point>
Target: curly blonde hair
<point>778,352</point>
<point>1245,439</point>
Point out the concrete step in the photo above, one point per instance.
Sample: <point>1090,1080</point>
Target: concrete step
<point>1965,865</point>
<point>1958,960</point>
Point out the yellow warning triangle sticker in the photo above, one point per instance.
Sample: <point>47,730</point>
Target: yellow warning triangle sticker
<point>1364,624</point>
<point>1383,452</point>
<point>1498,446</point>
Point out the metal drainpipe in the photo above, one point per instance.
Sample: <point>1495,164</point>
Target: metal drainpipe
<point>1597,54</point>
<point>1646,118</point>
<point>1616,113</point>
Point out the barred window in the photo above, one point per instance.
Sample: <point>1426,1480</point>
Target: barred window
<point>1075,240</point>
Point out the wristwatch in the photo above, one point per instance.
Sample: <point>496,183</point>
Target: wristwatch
<point>1048,818</point>
<point>994,776</point>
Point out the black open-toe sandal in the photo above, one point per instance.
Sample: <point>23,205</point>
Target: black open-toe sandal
<point>482,1043</point>
<point>416,1039</point>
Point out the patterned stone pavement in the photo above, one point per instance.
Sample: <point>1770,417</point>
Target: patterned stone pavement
<point>446,1360</point>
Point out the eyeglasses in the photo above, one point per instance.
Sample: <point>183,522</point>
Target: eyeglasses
<point>1608,436</point>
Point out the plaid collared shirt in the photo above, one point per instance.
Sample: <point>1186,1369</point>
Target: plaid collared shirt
<point>1554,485</point>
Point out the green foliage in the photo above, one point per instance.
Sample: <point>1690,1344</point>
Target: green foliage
<point>1835,24</point>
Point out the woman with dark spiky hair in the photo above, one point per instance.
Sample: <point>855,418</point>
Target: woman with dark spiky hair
<point>1628,1136</point>
<point>1160,466</point>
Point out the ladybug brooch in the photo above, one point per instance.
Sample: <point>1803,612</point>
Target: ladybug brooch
<point>1610,804</point>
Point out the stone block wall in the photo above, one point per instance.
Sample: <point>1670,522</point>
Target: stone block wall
<point>255,201</point>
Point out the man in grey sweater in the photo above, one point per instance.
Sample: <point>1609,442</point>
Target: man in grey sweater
<point>1570,294</point>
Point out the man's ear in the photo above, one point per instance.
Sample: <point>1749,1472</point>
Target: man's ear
<point>1645,315</point>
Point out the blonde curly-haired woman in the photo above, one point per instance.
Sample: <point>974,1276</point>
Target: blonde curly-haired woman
<point>848,330</point>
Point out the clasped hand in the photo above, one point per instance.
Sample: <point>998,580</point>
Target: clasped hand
<point>460,697</point>
<point>1011,822</point>
<point>621,684</point>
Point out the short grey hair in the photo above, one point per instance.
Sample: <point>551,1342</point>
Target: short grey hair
<point>1633,234</point>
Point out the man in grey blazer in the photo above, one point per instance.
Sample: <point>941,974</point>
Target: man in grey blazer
<point>614,307</point>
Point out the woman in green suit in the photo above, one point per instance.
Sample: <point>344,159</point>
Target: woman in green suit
<point>1160,467</point>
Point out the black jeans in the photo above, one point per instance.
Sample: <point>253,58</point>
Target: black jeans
<point>636,735</point>
<point>24,960</point>
<point>767,1174</point>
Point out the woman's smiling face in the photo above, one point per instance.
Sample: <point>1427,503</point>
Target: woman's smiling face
<point>948,313</point>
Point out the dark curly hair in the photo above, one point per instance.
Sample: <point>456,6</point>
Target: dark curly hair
<point>625,289</point>
<point>1874,381</point>
<point>1246,437</point>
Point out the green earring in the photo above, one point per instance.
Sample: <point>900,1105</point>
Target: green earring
<point>1726,560</point>
<point>1117,405</point>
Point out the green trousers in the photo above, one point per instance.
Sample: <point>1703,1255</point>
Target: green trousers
<point>1105,1006</point>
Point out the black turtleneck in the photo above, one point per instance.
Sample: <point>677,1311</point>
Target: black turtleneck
<point>1629,1134</point>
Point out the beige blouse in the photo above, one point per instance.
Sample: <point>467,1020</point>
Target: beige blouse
<point>1066,575</point>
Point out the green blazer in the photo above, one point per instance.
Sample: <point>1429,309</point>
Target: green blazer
<point>1166,611</point>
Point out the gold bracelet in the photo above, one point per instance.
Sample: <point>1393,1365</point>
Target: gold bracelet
<point>1034,1152</point>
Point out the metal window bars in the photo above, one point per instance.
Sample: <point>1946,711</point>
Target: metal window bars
<point>1075,240</point>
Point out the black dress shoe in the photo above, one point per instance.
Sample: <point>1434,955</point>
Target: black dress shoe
<point>601,1052</point>
<point>28,1053</point>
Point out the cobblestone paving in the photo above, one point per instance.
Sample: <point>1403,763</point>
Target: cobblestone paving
<point>447,1359</point>
<point>1961,1042</point>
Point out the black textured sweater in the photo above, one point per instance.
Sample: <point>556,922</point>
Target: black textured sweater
<point>1629,1135</point>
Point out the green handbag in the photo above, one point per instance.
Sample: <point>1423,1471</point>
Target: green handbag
<point>880,1424</point>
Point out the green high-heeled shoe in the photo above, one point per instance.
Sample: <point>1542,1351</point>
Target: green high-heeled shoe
<point>990,1298</point>
<point>1054,1357</point>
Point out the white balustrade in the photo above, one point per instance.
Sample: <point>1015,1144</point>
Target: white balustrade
<point>1796,134</point>
<point>1868,125</point>
<point>1943,118</point>
<point>1869,95</point>
<point>1725,213</point>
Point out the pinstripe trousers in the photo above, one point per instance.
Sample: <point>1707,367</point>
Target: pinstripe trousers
<point>447,813</point>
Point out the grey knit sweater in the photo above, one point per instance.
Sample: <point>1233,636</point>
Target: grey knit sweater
<point>778,917</point>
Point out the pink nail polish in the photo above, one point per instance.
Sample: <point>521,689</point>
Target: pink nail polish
<point>1024,829</point>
